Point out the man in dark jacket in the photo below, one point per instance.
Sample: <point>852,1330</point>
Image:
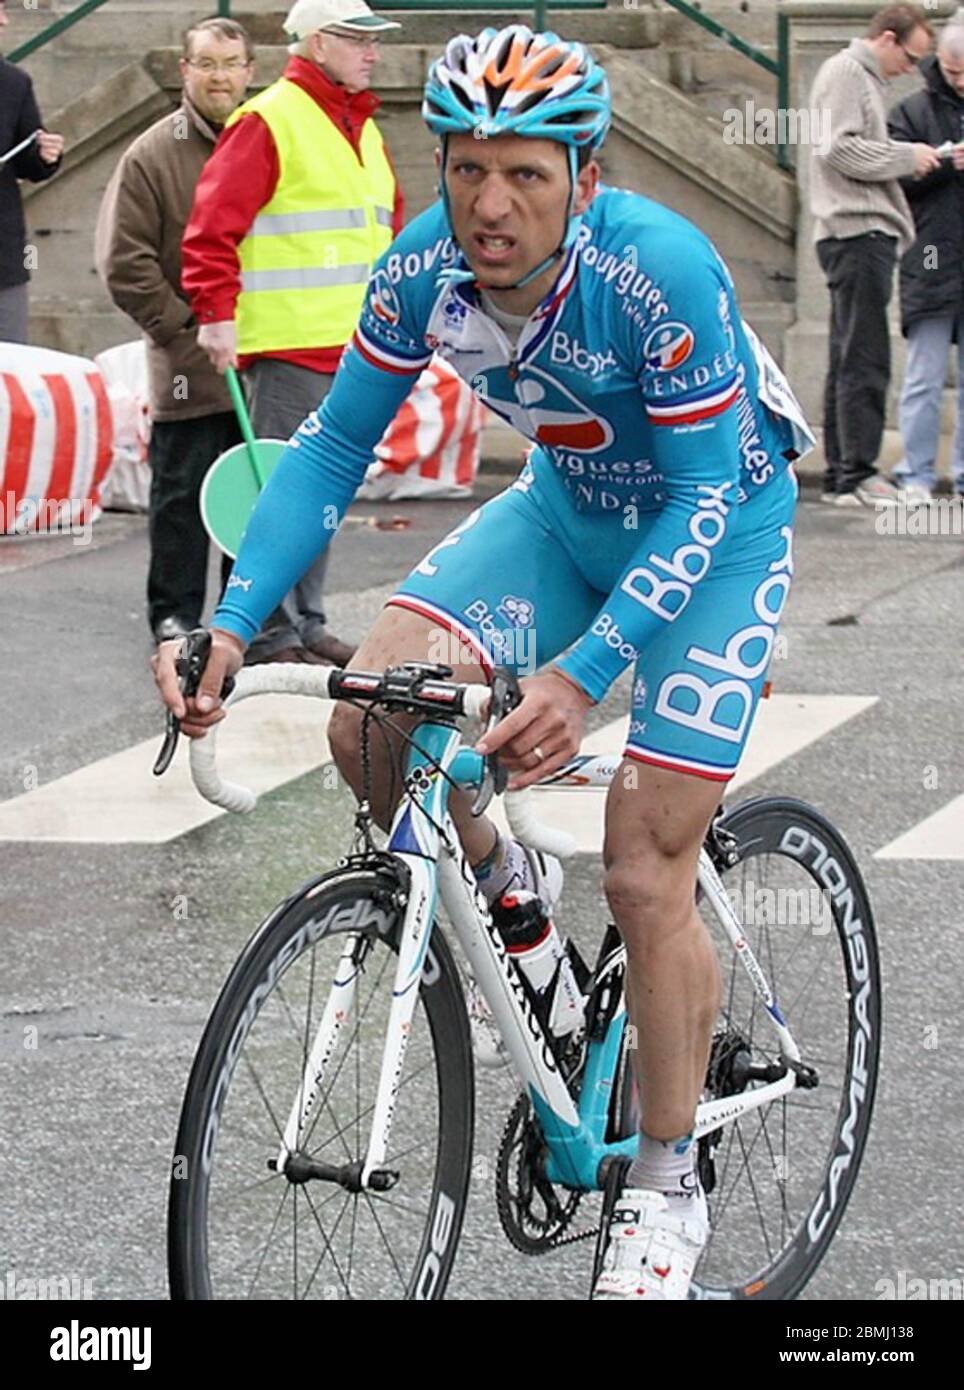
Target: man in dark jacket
<point>138,253</point>
<point>932,271</point>
<point>38,157</point>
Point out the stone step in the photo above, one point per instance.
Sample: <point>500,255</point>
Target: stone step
<point>681,52</point>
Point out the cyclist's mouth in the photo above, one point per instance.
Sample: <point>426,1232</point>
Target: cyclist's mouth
<point>493,250</point>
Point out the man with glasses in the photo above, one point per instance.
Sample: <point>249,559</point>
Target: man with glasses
<point>861,223</point>
<point>932,272</point>
<point>295,206</point>
<point>138,254</point>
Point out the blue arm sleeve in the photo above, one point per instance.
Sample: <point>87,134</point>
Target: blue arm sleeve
<point>319,473</point>
<point>696,448</point>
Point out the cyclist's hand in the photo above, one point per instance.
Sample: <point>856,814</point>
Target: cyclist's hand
<point>220,342</point>
<point>198,713</point>
<point>550,719</point>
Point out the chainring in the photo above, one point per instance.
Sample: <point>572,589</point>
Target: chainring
<point>534,1212</point>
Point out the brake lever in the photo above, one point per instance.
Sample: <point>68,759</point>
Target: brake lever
<point>506,695</point>
<point>189,665</point>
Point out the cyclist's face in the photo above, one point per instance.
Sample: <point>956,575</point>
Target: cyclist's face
<point>509,198</point>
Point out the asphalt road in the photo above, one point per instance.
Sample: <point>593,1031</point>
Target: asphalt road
<point>106,987</point>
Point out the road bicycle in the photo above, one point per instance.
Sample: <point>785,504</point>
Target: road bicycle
<point>326,1137</point>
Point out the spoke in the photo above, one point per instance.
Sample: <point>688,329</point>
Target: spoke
<point>264,1099</point>
<point>328,1248</point>
<point>235,1192</point>
<point>756,1200</point>
<point>780,1181</point>
<point>385,1240</point>
<point>264,1252</point>
<point>286,1008</point>
<point>368,1109</point>
<point>401,1206</point>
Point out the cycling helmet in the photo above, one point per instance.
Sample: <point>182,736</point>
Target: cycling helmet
<point>513,82</point>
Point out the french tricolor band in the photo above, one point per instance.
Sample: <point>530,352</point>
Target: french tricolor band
<point>688,412</point>
<point>713,772</point>
<point>444,619</point>
<point>380,356</point>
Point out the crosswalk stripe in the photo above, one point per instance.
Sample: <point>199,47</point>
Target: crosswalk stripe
<point>273,739</point>
<point>940,836</point>
<point>784,725</point>
<point>267,741</point>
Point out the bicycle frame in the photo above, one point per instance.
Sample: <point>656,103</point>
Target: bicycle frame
<point>424,838</point>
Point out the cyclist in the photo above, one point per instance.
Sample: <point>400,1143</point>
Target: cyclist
<point>651,525</point>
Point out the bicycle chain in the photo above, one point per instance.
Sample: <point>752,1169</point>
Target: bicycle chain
<point>510,1205</point>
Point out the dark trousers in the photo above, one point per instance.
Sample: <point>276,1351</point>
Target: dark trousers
<point>280,394</point>
<point>860,276</point>
<point>180,453</point>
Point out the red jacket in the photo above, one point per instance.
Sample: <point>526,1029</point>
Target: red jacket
<point>238,180</point>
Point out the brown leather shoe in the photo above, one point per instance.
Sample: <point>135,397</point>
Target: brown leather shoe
<point>297,655</point>
<point>333,650</point>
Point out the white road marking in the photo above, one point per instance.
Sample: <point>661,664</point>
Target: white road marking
<point>273,739</point>
<point>267,741</point>
<point>940,836</point>
<point>784,725</point>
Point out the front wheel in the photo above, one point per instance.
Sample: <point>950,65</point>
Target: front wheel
<point>246,1223</point>
<point>782,1175</point>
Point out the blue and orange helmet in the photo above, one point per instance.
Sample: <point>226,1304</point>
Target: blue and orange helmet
<point>513,82</point>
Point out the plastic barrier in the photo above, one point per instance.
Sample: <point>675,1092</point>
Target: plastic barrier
<point>56,436</point>
<point>431,448</point>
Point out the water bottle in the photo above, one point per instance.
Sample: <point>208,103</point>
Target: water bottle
<point>534,944</point>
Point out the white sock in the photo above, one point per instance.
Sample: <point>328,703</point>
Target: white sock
<point>667,1166</point>
<point>504,866</point>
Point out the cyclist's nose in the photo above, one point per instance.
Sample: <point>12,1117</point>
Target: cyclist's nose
<point>492,202</point>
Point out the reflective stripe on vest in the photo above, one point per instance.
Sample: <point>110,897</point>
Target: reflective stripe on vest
<point>308,255</point>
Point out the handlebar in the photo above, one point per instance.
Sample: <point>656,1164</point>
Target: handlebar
<point>334,683</point>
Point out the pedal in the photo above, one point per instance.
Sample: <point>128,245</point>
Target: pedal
<point>616,1174</point>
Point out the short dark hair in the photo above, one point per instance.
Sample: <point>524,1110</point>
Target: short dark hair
<point>901,20</point>
<point>227,28</point>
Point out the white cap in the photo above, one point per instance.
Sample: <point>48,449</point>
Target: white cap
<point>308,16</point>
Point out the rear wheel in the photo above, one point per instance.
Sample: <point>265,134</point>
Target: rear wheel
<point>243,1224</point>
<point>782,1175</point>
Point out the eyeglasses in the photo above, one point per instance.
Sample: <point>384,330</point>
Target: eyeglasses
<point>356,40</point>
<point>208,65</point>
<point>912,58</point>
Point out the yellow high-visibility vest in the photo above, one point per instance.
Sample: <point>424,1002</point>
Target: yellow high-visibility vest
<point>307,257</point>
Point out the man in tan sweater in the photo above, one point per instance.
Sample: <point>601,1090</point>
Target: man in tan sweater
<point>138,254</point>
<point>862,222</point>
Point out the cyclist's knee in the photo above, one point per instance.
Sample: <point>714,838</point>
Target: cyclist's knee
<point>344,738</point>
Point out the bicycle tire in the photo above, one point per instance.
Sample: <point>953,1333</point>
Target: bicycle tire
<point>271,968</point>
<point>784,832</point>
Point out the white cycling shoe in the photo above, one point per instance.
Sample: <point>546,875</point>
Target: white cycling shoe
<point>535,873</point>
<point>652,1251</point>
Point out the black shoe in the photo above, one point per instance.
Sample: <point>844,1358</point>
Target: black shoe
<point>171,628</point>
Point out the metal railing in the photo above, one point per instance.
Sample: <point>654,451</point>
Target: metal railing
<point>780,66</point>
<point>539,8</point>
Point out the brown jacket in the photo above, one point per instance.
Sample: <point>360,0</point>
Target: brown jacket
<point>137,249</point>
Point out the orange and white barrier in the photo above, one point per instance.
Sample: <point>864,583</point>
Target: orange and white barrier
<point>431,448</point>
<point>56,439</point>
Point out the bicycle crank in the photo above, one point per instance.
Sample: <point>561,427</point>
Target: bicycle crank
<point>534,1212</point>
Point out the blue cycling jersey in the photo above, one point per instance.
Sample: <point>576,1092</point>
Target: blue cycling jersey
<point>635,378</point>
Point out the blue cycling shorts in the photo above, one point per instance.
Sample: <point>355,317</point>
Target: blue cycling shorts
<point>524,576</point>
